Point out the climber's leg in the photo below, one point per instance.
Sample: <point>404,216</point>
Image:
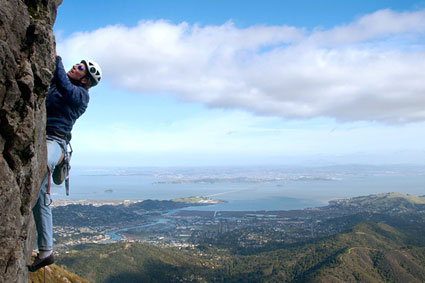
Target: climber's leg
<point>41,210</point>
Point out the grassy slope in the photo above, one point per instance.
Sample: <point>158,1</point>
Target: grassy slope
<point>54,274</point>
<point>131,262</point>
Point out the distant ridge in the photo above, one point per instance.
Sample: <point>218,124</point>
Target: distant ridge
<point>394,195</point>
<point>383,202</point>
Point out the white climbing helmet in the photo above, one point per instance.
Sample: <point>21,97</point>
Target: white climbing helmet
<point>93,69</point>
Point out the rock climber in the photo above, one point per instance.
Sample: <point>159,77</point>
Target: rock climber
<point>66,100</point>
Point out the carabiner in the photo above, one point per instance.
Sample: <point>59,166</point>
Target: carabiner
<point>45,198</point>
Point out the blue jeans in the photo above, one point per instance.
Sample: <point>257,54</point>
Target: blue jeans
<point>41,210</point>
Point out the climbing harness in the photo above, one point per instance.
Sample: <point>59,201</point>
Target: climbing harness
<point>61,172</point>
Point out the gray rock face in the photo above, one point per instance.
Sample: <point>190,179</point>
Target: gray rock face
<point>27,56</point>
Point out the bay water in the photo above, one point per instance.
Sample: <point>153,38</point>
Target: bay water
<point>243,188</point>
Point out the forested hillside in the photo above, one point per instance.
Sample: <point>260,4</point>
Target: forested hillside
<point>373,247</point>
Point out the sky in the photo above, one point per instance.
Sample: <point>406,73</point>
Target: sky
<point>231,83</point>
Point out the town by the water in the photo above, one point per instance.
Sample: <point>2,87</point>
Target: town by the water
<point>167,223</point>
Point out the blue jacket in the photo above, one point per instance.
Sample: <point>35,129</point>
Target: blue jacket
<point>65,102</point>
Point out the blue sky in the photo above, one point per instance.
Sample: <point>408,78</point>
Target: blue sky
<point>249,82</point>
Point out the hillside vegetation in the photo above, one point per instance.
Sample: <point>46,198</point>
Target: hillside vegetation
<point>369,252</point>
<point>55,274</point>
<point>382,242</point>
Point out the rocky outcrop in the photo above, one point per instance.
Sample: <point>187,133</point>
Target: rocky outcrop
<point>27,52</point>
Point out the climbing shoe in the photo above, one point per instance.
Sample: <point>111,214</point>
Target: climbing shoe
<point>59,173</point>
<point>41,262</point>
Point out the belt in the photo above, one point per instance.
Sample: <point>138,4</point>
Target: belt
<point>60,135</point>
<point>64,137</point>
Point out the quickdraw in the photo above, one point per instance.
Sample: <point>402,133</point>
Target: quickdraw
<point>67,157</point>
<point>47,201</point>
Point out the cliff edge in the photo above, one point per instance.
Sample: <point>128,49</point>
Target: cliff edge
<point>27,52</point>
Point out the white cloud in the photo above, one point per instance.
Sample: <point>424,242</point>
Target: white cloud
<point>370,69</point>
